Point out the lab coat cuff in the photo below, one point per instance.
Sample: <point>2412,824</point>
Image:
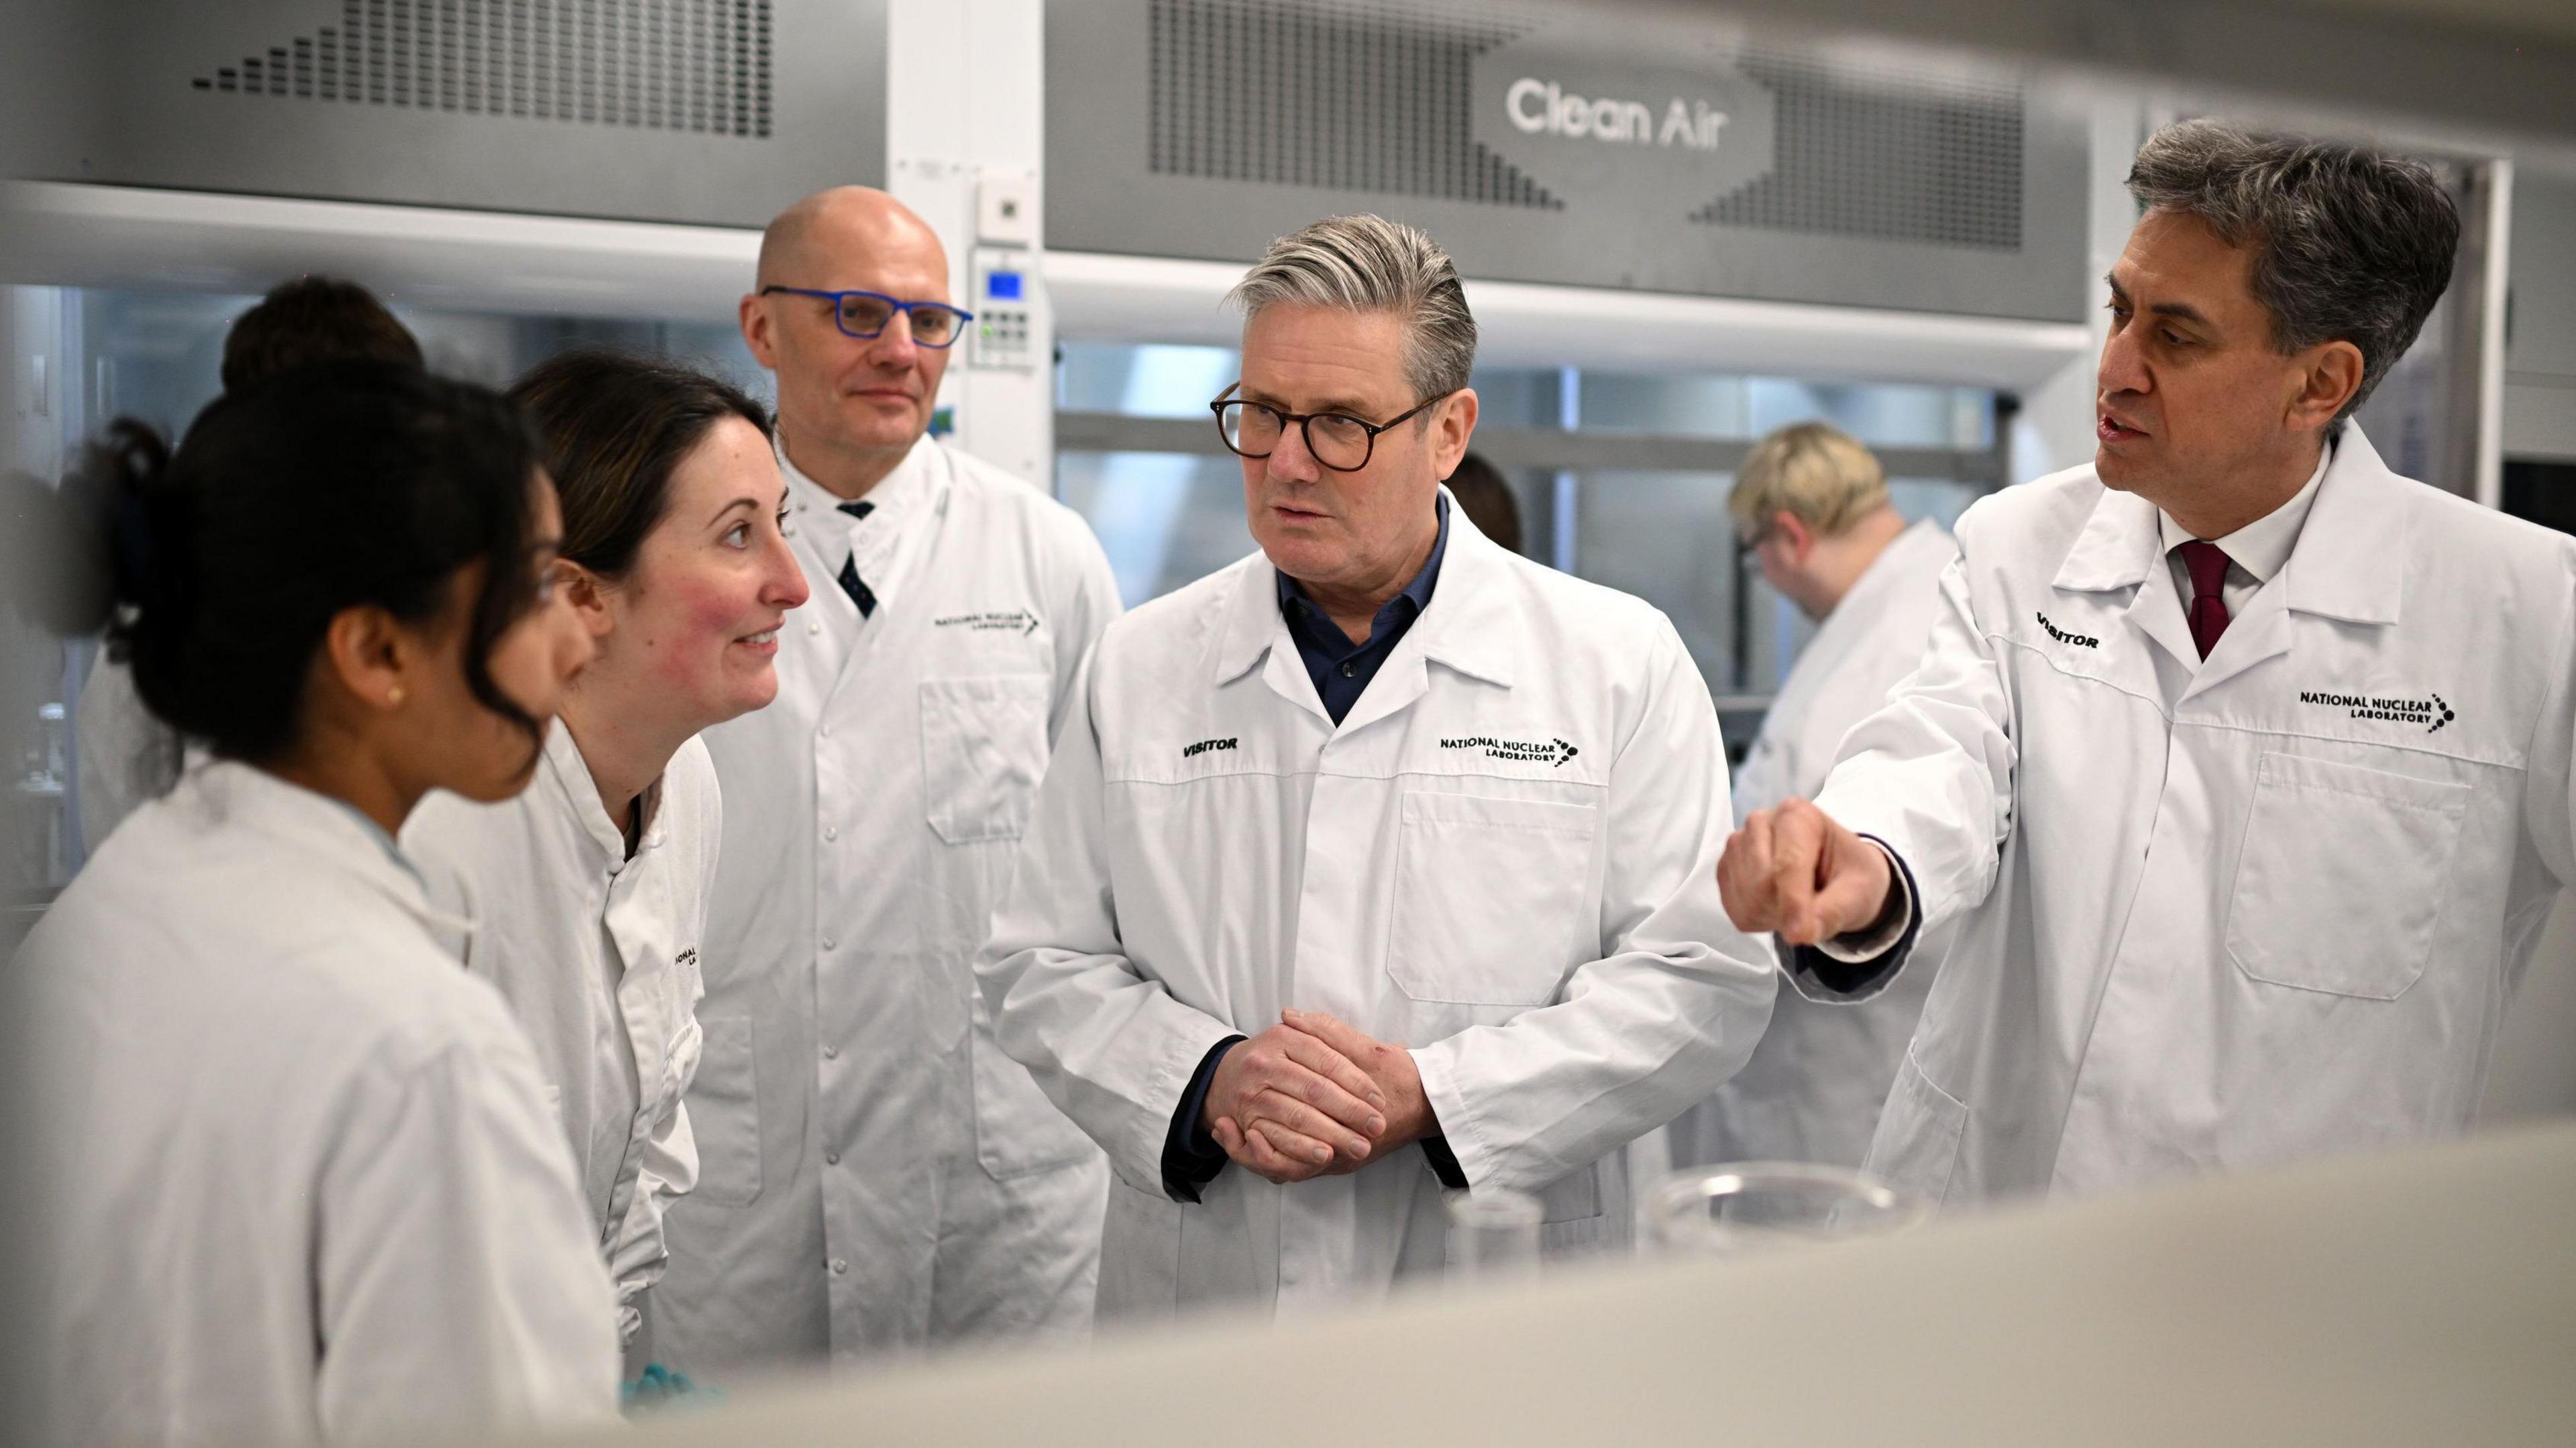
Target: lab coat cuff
<point>1469,1158</point>
<point>1182,1045</point>
<point>1444,1163</point>
<point>1849,969</point>
<point>1191,1157</point>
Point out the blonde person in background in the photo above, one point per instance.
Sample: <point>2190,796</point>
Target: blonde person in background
<point>1811,504</point>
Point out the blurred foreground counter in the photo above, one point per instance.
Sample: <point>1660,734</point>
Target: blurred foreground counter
<point>2427,1296</point>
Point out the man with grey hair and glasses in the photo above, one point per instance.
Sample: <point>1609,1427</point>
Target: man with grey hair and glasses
<point>2240,764</point>
<point>1377,864</point>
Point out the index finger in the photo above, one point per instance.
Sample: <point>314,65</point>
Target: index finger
<point>1797,838</point>
<point>1744,874</point>
<point>1325,1060</point>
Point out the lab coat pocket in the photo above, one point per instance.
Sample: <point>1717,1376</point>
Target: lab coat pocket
<point>1917,1146</point>
<point>983,750</point>
<point>2341,879</point>
<point>724,1114</point>
<point>1492,902</point>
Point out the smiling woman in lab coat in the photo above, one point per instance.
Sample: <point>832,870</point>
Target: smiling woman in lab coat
<point>296,1171</point>
<point>588,893</point>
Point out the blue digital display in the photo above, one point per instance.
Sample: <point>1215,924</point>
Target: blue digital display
<point>1002,286</point>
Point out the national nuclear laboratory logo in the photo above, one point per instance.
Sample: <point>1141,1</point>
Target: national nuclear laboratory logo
<point>1554,753</point>
<point>2432,710</point>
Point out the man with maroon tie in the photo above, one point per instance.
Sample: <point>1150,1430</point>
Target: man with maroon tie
<point>2241,763</point>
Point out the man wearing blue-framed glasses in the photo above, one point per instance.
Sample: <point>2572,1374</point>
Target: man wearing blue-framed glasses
<point>876,1175</point>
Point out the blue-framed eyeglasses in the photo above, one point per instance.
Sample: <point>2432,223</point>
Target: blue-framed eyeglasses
<point>864,315</point>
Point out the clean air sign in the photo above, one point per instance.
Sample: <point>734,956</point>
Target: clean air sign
<point>1544,106</point>
<point>1649,138</point>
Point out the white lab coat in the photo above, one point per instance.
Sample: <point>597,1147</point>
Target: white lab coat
<point>874,1175</point>
<point>127,757</point>
<point>1504,857</point>
<point>2218,914</point>
<point>297,1172</point>
<point>598,955</point>
<point>1813,1089</point>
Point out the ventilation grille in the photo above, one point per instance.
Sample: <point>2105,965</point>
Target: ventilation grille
<point>1354,97</point>
<point>679,65</point>
<point>1896,158</point>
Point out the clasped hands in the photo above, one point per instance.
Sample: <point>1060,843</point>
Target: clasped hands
<point>1312,1097</point>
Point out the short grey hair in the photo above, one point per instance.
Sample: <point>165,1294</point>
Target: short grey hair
<point>2349,244</point>
<point>1371,264</point>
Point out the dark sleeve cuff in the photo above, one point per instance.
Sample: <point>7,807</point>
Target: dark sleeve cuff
<point>1850,977</point>
<point>1191,1157</point>
<point>1444,1163</point>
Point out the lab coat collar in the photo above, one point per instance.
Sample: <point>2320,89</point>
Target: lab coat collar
<point>1889,571</point>
<point>1471,625</point>
<point>568,772</point>
<point>2350,561</point>
<point>1465,627</point>
<point>2122,547</point>
<point>2118,548</point>
<point>918,484</point>
<point>2262,547</point>
<point>332,832</point>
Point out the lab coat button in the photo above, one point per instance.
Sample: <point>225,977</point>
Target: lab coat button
<point>840,1266</point>
<point>831,1158</point>
<point>825,731</point>
<point>831,1053</point>
<point>828,942</point>
<point>831,832</point>
<point>813,627</point>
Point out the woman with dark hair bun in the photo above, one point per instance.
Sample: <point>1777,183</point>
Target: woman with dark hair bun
<point>298,1175</point>
<point>589,892</point>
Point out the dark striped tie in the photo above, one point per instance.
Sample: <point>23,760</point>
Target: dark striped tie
<point>851,584</point>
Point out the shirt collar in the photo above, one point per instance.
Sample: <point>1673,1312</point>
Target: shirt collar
<point>2262,546</point>
<point>1415,597</point>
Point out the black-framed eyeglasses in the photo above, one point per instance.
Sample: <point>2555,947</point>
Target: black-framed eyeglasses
<point>1338,440</point>
<point>865,315</point>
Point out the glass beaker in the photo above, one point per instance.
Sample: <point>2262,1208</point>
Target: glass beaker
<point>1755,1205</point>
<point>1493,1233</point>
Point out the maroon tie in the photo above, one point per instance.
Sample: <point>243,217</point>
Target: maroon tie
<point>2208,565</point>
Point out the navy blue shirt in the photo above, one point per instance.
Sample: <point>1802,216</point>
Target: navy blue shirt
<point>1341,671</point>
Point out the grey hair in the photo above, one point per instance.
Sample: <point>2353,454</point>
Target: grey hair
<point>1371,264</point>
<point>2349,244</point>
